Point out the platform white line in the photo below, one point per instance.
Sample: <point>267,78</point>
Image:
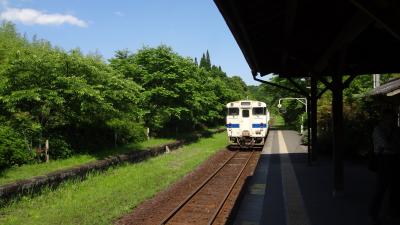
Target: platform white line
<point>282,145</point>
<point>294,204</point>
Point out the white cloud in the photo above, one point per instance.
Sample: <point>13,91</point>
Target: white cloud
<point>118,13</point>
<point>32,16</point>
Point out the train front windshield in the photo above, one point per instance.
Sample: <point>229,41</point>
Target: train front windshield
<point>259,111</point>
<point>233,111</point>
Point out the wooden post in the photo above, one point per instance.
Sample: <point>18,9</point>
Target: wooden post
<point>115,139</point>
<point>46,151</point>
<point>313,106</point>
<point>148,133</point>
<point>337,123</point>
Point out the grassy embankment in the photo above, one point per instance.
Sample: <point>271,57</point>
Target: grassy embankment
<point>104,197</point>
<point>31,170</point>
<point>277,121</point>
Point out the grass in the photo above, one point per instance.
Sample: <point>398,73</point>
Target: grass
<point>278,121</point>
<point>31,170</point>
<point>214,129</point>
<point>102,198</point>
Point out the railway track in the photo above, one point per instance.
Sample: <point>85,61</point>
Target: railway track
<point>207,204</point>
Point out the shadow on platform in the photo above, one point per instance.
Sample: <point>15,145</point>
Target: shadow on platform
<point>303,195</point>
<point>294,193</point>
<point>316,183</point>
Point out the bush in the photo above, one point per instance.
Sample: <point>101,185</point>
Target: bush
<point>359,119</point>
<point>132,132</point>
<point>59,148</point>
<point>127,130</point>
<point>304,136</point>
<point>13,149</point>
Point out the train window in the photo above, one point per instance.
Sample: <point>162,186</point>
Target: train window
<point>245,113</point>
<point>233,111</point>
<point>259,111</point>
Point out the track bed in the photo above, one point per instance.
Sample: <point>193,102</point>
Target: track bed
<point>206,196</point>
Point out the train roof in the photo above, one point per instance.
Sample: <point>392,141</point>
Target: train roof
<point>246,103</point>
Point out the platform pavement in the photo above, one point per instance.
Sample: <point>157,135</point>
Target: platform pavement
<point>284,190</point>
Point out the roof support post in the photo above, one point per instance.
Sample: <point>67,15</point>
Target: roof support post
<point>348,81</point>
<point>337,124</point>
<point>313,118</point>
<point>326,83</point>
<point>319,95</point>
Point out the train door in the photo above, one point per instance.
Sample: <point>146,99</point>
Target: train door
<point>246,122</point>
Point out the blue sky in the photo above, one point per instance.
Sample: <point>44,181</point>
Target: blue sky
<point>190,27</point>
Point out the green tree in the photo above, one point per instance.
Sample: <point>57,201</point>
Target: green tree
<point>208,60</point>
<point>12,149</point>
<point>69,98</point>
<point>178,94</point>
<point>203,62</point>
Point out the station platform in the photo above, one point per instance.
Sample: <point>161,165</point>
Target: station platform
<point>285,190</point>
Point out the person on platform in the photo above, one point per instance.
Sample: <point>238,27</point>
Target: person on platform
<point>386,138</point>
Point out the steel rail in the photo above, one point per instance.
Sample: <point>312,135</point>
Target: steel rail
<point>172,214</point>
<point>211,221</point>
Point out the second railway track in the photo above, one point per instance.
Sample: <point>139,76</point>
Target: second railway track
<point>207,203</point>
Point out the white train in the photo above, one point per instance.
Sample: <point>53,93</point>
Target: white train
<point>247,123</point>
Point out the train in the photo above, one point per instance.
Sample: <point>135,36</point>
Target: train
<point>247,123</point>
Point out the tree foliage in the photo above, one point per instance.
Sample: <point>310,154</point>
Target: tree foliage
<point>82,103</point>
<point>360,112</point>
<point>178,94</point>
<point>72,99</point>
<point>291,110</point>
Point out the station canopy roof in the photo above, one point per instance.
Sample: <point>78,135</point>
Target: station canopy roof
<point>296,38</point>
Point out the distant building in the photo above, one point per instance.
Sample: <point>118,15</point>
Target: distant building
<point>390,89</point>
<point>389,94</point>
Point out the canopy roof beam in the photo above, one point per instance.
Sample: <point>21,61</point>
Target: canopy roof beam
<point>382,21</point>
<point>299,88</point>
<point>277,85</point>
<point>358,23</point>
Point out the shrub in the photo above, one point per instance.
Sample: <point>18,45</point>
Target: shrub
<point>359,119</point>
<point>304,136</point>
<point>13,149</point>
<point>127,130</point>
<point>59,148</point>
